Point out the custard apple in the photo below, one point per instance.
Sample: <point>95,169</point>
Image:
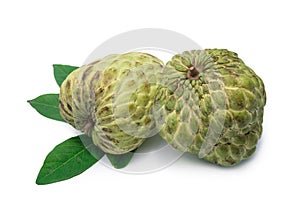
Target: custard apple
<point>110,100</point>
<point>212,105</point>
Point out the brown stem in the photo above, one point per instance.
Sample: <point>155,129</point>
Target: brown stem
<point>193,73</point>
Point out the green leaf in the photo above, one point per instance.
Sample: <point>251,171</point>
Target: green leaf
<point>47,105</point>
<point>61,72</point>
<point>69,159</point>
<point>120,161</point>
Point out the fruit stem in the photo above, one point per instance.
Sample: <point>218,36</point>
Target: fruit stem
<point>193,73</point>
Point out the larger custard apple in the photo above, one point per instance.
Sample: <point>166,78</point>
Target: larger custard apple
<point>212,105</point>
<point>110,100</point>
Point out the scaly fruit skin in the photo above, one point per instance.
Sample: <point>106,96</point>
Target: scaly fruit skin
<point>89,94</point>
<point>213,106</point>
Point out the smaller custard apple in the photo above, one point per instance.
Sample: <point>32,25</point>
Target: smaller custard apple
<point>212,104</point>
<point>105,97</point>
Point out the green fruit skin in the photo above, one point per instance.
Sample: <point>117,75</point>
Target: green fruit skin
<point>227,100</point>
<point>87,101</point>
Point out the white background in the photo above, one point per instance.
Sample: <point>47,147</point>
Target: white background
<point>36,34</point>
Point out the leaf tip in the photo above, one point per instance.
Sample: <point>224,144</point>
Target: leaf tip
<point>38,181</point>
<point>55,65</point>
<point>29,101</point>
